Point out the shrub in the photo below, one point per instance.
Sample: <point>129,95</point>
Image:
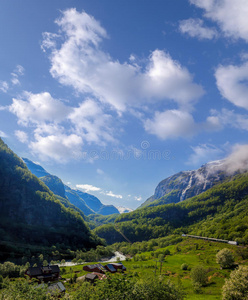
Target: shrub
<point>225,258</point>
<point>198,276</point>
<point>236,287</point>
<point>184,267</point>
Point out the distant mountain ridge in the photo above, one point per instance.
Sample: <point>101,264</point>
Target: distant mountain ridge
<point>31,217</point>
<point>187,184</point>
<point>87,203</point>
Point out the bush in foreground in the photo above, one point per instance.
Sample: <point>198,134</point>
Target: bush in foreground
<point>124,287</point>
<point>236,287</point>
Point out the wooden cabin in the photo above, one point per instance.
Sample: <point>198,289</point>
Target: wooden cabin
<point>44,273</point>
<point>119,266</point>
<point>99,268</point>
<point>110,268</point>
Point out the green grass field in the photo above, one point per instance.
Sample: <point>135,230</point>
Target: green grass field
<point>190,251</point>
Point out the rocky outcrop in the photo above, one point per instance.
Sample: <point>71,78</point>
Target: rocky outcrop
<point>186,184</point>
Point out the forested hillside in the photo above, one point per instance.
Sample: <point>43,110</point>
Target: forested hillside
<point>220,212</point>
<point>31,216</point>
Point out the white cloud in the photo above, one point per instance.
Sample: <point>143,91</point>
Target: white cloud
<point>237,160</point>
<point>14,79</point>
<point>19,70</point>
<point>4,86</point>
<point>206,4</point>
<point>232,83</point>
<point>79,62</point>
<point>37,108</point>
<point>91,188</point>
<point>60,130</point>
<point>88,188</point>
<point>178,123</point>
<point>229,118</point>
<point>59,147</point>
<point>195,28</point>
<point>100,172</point>
<point>230,15</point>
<point>171,124</point>
<point>111,194</point>
<point>91,122</point>
<point>204,153</point>
<point>22,136</point>
<point>138,198</point>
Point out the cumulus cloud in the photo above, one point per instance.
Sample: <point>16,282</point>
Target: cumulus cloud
<point>195,28</point>
<point>22,136</point>
<point>80,62</point>
<point>60,147</point>
<point>36,108</point>
<point>231,16</point>
<point>60,130</point>
<point>232,83</point>
<point>175,123</point>
<point>237,160</point>
<point>91,122</point>
<point>171,124</point>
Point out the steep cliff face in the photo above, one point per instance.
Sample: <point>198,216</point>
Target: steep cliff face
<point>186,184</point>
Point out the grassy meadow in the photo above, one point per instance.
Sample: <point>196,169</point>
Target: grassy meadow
<point>190,251</point>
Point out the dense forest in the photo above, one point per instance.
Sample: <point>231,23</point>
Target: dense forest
<point>31,216</point>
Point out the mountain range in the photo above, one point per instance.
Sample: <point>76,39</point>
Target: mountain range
<point>87,203</point>
<point>37,213</point>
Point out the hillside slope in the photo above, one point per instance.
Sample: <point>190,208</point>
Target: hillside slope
<point>31,214</point>
<point>220,212</point>
<point>187,184</point>
<point>87,203</point>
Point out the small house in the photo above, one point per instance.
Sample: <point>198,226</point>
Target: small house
<point>56,288</point>
<point>44,273</point>
<point>90,277</point>
<point>119,266</point>
<point>99,268</point>
<point>110,268</point>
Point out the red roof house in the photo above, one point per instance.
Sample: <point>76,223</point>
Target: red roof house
<point>99,268</point>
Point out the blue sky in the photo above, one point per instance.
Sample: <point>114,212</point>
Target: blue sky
<point>113,96</point>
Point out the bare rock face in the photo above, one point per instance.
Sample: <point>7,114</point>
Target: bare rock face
<point>187,184</point>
